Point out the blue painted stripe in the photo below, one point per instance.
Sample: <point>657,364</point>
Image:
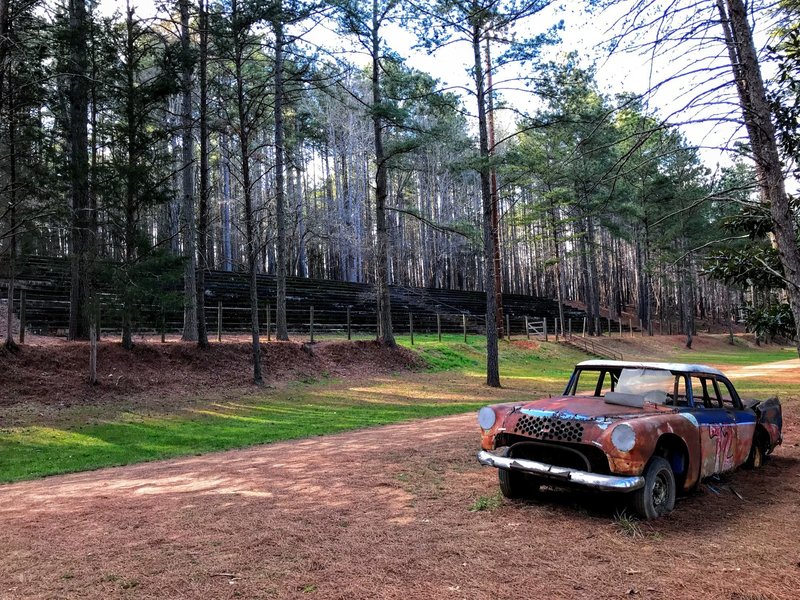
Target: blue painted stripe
<point>559,414</point>
<point>717,416</point>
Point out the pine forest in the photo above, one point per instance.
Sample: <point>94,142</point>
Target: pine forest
<point>145,147</point>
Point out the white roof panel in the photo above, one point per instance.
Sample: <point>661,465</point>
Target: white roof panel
<point>628,364</point>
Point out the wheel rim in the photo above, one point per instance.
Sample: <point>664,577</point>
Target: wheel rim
<point>660,492</point>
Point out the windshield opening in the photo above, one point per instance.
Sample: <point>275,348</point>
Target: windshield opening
<point>629,386</point>
<point>644,381</point>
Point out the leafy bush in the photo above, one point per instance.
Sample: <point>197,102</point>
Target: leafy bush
<point>771,322</point>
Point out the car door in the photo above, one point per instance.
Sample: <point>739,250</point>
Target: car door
<point>717,426</point>
<point>744,419</point>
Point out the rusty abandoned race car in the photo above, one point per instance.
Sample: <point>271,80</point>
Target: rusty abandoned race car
<point>650,430</point>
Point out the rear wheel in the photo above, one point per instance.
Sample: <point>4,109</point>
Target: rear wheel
<point>758,452</point>
<point>657,496</point>
<point>514,484</point>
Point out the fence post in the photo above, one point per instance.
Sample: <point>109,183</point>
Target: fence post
<point>219,321</point>
<point>269,326</point>
<point>163,326</point>
<point>584,326</point>
<point>630,328</point>
<point>311,324</point>
<point>570,328</point>
<point>22,316</point>
<point>527,329</point>
<point>464,326</point>
<point>439,326</point>
<point>508,328</point>
<point>641,326</point>
<point>609,324</point>
<point>348,323</point>
<point>544,323</point>
<point>620,327</point>
<point>411,326</point>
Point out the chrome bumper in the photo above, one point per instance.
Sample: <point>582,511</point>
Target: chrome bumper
<point>608,483</point>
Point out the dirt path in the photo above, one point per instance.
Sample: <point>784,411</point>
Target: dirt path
<point>783,371</point>
<point>384,513</point>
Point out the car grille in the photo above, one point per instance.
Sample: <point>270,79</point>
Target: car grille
<point>549,428</point>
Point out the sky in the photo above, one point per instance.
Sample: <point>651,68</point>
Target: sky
<point>586,34</point>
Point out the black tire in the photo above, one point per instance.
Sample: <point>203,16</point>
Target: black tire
<point>657,497</point>
<point>758,452</point>
<point>514,484</point>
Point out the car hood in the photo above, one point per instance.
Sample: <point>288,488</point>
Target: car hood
<point>589,408</point>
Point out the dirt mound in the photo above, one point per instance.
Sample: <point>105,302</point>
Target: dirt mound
<point>57,374</point>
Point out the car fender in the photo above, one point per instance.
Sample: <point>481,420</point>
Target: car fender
<point>652,432</point>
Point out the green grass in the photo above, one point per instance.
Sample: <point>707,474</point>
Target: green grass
<point>550,363</point>
<point>36,451</point>
<point>487,503</point>
<point>763,388</point>
<point>738,355</point>
<point>627,525</point>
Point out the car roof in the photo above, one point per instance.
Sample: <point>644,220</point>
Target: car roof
<point>627,364</point>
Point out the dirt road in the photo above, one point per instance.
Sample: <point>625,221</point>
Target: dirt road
<point>385,513</point>
<point>782,371</point>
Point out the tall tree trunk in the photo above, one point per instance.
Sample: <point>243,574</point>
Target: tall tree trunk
<point>247,190</point>
<point>687,300</point>
<point>225,209</point>
<point>80,284</point>
<point>761,131</point>
<point>302,250</point>
<point>202,224</point>
<point>10,344</point>
<point>492,355</point>
<point>130,186</point>
<point>385,333</point>
<point>281,332</point>
<point>187,183</point>
<point>594,280</point>
<point>498,280</point>
<point>557,266</point>
<point>4,45</point>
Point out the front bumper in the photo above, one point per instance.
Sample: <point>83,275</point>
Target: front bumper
<point>608,483</point>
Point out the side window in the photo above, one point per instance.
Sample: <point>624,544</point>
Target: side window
<point>677,395</point>
<point>725,394</point>
<point>681,399</point>
<point>705,393</point>
<point>609,382</point>
<point>589,381</point>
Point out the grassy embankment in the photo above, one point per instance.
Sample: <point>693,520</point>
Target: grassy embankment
<point>452,384</point>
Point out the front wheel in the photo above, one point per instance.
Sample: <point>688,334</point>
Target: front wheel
<point>657,497</point>
<point>514,484</point>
